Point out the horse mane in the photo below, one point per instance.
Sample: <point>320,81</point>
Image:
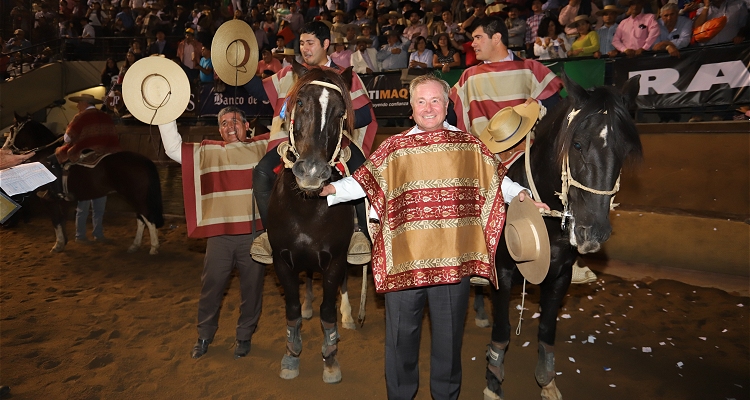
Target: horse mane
<point>623,135</point>
<point>41,135</point>
<point>324,75</point>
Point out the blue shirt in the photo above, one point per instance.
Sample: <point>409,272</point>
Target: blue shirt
<point>389,60</point>
<point>605,38</point>
<point>680,35</point>
<point>206,63</point>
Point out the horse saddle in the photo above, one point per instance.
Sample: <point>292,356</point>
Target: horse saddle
<point>89,158</point>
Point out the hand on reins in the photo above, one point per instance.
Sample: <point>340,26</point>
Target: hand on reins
<point>538,204</point>
<point>8,159</point>
<point>327,189</point>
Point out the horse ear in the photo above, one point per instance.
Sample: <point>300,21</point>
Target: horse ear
<point>630,91</point>
<point>16,116</point>
<point>576,91</point>
<point>298,68</point>
<point>347,76</point>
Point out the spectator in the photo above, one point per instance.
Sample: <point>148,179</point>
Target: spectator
<point>268,65</point>
<point>479,12</point>
<point>18,41</point>
<point>636,33</point>
<point>365,59</point>
<point>260,36</point>
<point>110,72</point>
<point>189,54</point>
<point>516,28</point>
<point>351,36</point>
<point>450,26</point>
<point>205,66</point>
<point>434,16</point>
<point>296,21</point>
<point>179,21</point>
<point>129,60</point>
<point>736,13</point>
<point>269,25</point>
<point>422,57</point>
<point>360,17</point>
<point>341,56</point>
<point>125,21</point>
<point>393,25</point>
<point>161,46</point>
<point>675,31</point>
<point>367,32</point>
<point>316,8</point>
<point>532,25</point>
<point>551,41</point>
<point>96,17</point>
<point>587,42</point>
<point>286,57</point>
<point>446,56</point>
<point>416,27</point>
<point>607,31</point>
<point>393,55</point>
<point>280,45</point>
<point>462,9</point>
<point>86,44</point>
<point>572,10</point>
<point>151,21</point>
<point>137,49</point>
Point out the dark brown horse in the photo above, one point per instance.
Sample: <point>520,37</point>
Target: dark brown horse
<point>306,234</point>
<point>130,174</point>
<point>575,161</point>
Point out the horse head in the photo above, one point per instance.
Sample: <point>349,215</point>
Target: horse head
<point>28,135</point>
<point>319,109</point>
<point>597,135</point>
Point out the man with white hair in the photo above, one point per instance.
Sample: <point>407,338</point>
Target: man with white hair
<point>675,30</point>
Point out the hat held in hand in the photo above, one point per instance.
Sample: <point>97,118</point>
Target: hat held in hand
<point>509,126</point>
<point>155,90</point>
<point>234,52</point>
<point>527,239</point>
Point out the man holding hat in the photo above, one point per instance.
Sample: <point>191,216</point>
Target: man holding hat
<point>426,250</point>
<point>365,59</point>
<point>314,42</point>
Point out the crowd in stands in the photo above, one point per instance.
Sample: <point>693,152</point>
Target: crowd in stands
<point>372,36</point>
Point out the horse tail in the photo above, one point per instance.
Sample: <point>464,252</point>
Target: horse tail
<point>153,197</point>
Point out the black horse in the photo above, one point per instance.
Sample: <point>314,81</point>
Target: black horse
<point>130,174</point>
<point>592,133</point>
<point>305,234</point>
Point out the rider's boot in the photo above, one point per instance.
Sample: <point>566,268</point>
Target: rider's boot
<point>55,188</point>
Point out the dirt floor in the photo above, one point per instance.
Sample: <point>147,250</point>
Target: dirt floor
<point>98,323</point>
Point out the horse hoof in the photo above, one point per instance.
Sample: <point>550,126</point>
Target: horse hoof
<point>490,395</point>
<point>306,314</point>
<point>154,251</point>
<point>289,367</point>
<point>550,392</point>
<point>57,249</point>
<point>332,374</point>
<point>482,323</point>
<point>349,325</point>
<point>132,249</point>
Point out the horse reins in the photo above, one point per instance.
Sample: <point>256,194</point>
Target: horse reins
<point>290,145</point>
<point>11,143</point>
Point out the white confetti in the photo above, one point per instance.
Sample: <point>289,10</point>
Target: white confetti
<point>590,298</point>
<point>724,331</point>
<point>702,338</point>
<point>566,316</point>
<point>596,316</point>
<point>667,293</point>
<point>578,371</point>
<point>536,315</point>
<point>591,339</point>
<point>558,373</point>
<point>679,364</point>
<point>597,331</point>
<point>740,305</point>
<point>662,344</point>
<point>664,309</point>
<point>609,343</point>
<point>612,385</point>
<point>473,358</point>
<point>669,338</point>
<point>611,333</point>
<point>646,349</point>
<point>572,336</point>
<point>607,369</point>
<point>518,307</point>
<point>738,385</point>
<point>572,359</point>
<point>580,309</point>
<point>636,286</point>
<point>584,341</point>
<point>525,344</point>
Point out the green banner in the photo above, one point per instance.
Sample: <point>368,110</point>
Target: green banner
<point>587,73</point>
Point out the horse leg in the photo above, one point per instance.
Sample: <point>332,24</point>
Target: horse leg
<point>290,361</point>
<point>307,303</point>
<point>481,318</point>
<point>363,297</point>
<point>284,266</point>
<point>333,275</point>
<point>154,236</point>
<point>58,210</point>
<point>138,236</point>
<point>347,322</point>
<point>552,293</point>
<point>495,373</point>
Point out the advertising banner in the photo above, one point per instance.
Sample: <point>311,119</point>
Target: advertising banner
<point>250,98</point>
<point>389,97</point>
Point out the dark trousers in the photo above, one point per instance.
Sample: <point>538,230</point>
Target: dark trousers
<point>264,178</point>
<point>403,327</point>
<point>223,254</point>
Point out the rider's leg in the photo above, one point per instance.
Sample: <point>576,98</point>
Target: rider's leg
<point>263,180</point>
<point>355,161</point>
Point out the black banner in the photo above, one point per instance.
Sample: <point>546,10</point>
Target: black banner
<point>703,76</point>
<point>250,98</point>
<point>389,97</point>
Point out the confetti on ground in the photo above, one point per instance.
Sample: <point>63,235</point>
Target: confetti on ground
<point>611,333</point>
<point>536,315</point>
<point>566,316</point>
<point>702,338</point>
<point>591,338</point>
<point>572,336</point>
<point>680,364</point>
<point>558,373</point>
<point>740,305</point>
<point>724,331</point>
<point>597,331</point>
<point>669,338</point>
<point>607,369</point>
<point>580,309</point>
<point>473,358</point>
<point>609,343</point>
<point>646,349</point>
<point>630,306</point>
<point>590,298</point>
<point>612,385</point>
<point>664,309</point>
<point>738,385</point>
<point>572,359</point>
<point>636,286</point>
<point>596,316</point>
<point>578,371</point>
<point>525,344</point>
<point>662,344</point>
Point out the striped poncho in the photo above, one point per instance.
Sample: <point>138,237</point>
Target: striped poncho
<point>440,206</point>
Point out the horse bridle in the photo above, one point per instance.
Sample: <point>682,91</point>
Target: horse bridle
<point>11,143</point>
<point>567,182</point>
<point>290,145</point>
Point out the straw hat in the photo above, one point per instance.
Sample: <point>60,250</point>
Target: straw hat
<point>155,90</point>
<point>394,14</point>
<point>509,126</point>
<point>234,52</point>
<point>363,39</point>
<point>579,18</point>
<point>610,8</point>
<point>85,97</point>
<point>527,240</point>
<point>287,52</point>
<point>340,40</point>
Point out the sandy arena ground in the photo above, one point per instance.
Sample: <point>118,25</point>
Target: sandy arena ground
<point>98,323</point>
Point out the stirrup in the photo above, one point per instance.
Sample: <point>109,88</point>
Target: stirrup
<point>479,281</point>
<point>261,249</point>
<point>359,249</point>
<point>582,274</point>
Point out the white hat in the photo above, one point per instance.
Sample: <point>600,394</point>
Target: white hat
<point>527,240</point>
<point>234,52</point>
<point>155,90</point>
<point>508,126</point>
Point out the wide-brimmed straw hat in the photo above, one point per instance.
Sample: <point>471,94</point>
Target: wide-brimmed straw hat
<point>85,97</point>
<point>340,40</point>
<point>363,39</point>
<point>509,126</point>
<point>527,240</point>
<point>234,52</point>
<point>155,90</point>
<point>610,8</point>
<point>579,18</point>
<point>287,52</point>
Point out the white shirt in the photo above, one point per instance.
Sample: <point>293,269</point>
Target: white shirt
<point>348,189</point>
<point>172,140</point>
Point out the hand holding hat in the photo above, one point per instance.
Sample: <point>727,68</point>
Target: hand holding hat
<point>509,125</point>
<point>155,90</point>
<point>527,239</point>
<point>235,52</point>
